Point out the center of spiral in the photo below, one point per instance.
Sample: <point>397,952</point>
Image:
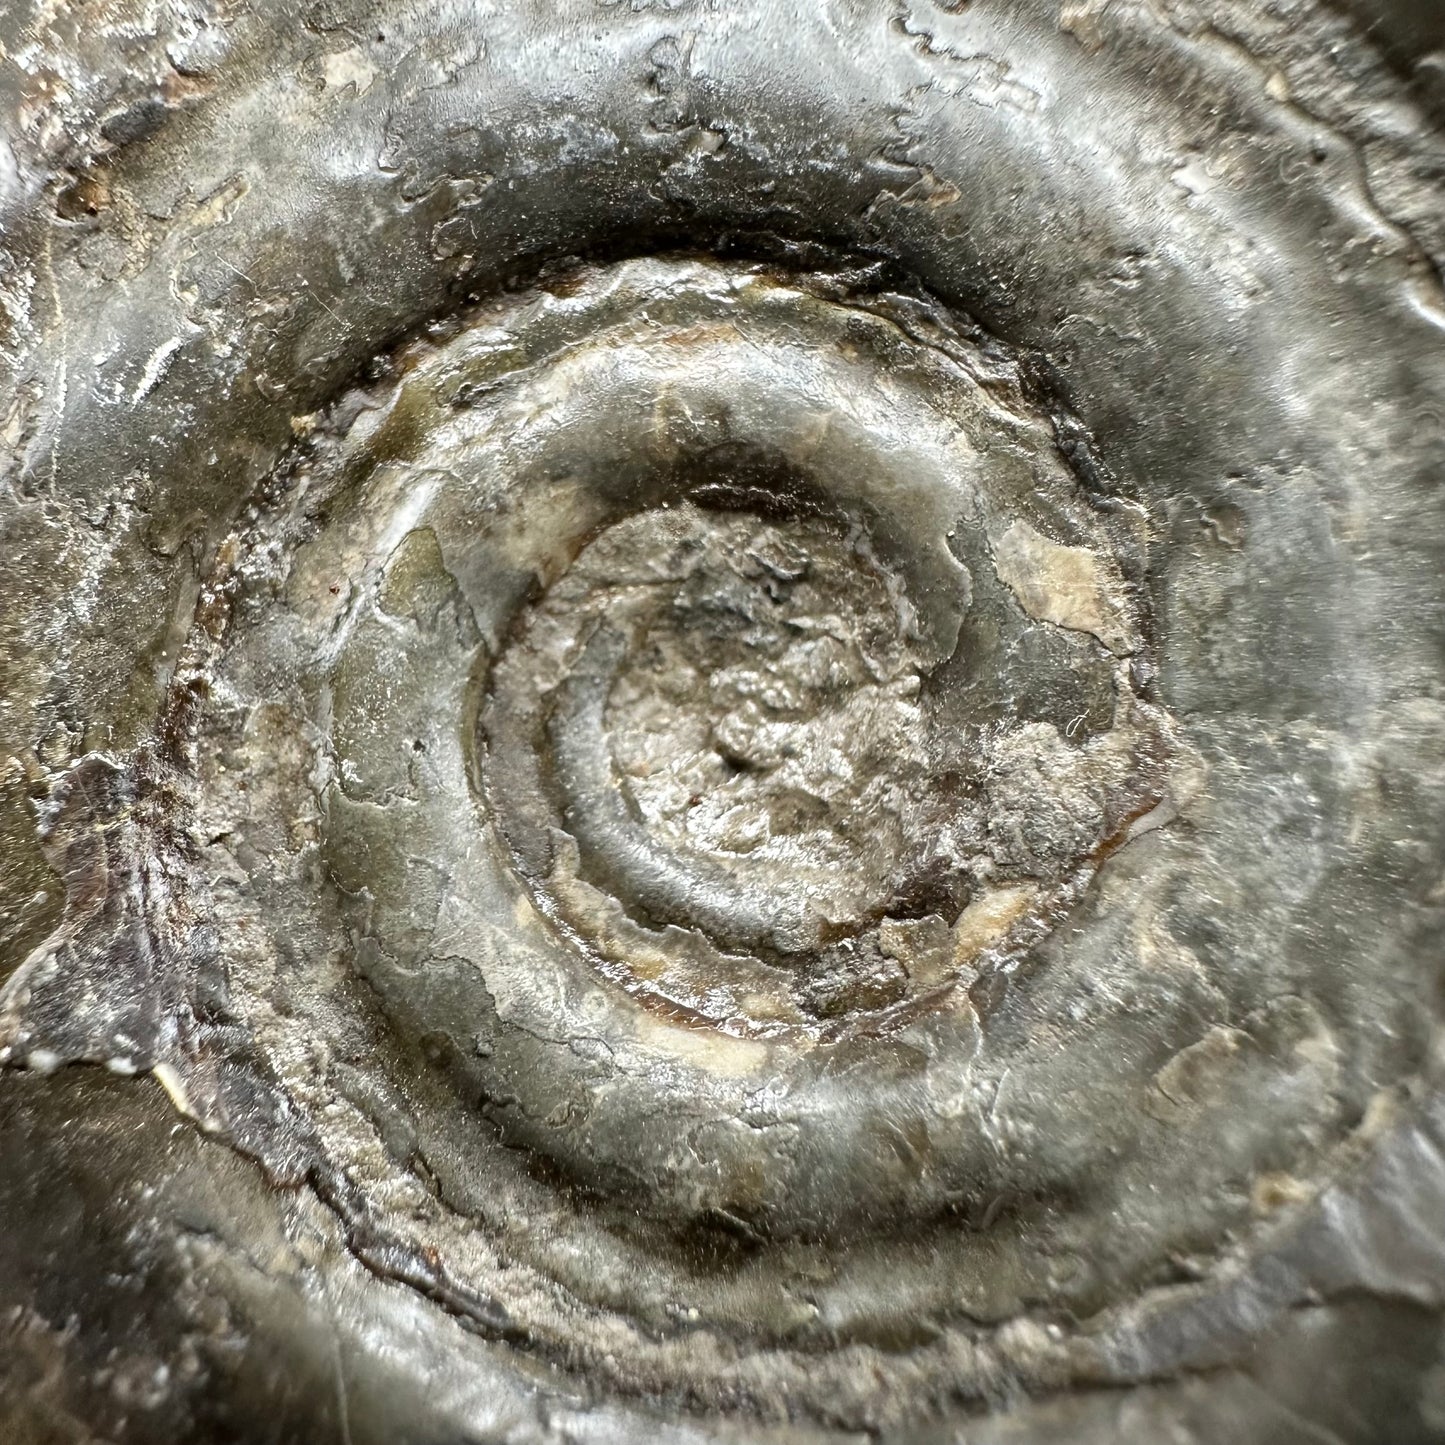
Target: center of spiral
<point>749,695</point>
<point>730,716</point>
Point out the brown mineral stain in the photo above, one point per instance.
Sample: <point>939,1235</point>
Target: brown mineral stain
<point>1275,1191</point>
<point>987,919</point>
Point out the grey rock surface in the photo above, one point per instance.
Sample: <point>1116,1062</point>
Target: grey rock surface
<point>722,721</point>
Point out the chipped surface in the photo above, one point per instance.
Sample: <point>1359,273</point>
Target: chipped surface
<point>1068,586</point>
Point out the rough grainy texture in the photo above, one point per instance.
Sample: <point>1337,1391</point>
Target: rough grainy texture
<point>722,721</point>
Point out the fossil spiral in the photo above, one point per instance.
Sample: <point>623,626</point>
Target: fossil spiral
<point>722,721</point>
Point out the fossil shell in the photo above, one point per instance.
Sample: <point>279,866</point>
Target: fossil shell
<point>744,709</point>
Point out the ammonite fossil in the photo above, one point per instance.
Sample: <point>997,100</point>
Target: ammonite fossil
<point>722,722</point>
